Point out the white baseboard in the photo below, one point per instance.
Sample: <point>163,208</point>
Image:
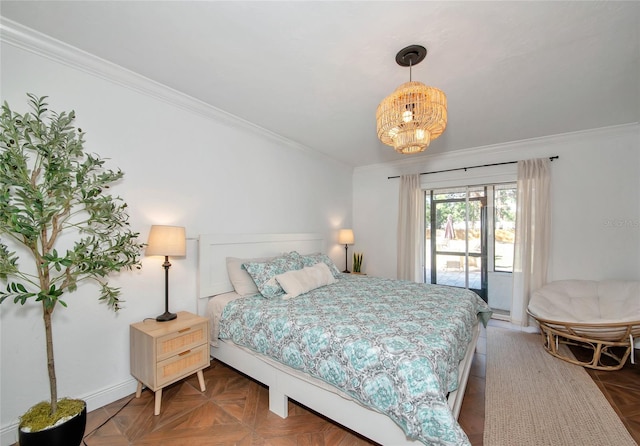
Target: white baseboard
<point>94,400</point>
<point>9,434</point>
<point>108,395</point>
<point>504,323</point>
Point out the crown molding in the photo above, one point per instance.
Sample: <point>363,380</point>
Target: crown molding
<point>496,150</point>
<point>27,39</point>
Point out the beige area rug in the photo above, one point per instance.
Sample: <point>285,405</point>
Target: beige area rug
<point>534,399</point>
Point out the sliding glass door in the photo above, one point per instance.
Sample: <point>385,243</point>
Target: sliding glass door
<point>456,237</point>
<point>469,240</point>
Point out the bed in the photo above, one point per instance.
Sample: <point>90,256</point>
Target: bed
<point>421,409</point>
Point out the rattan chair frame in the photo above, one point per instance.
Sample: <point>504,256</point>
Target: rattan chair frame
<point>555,333</point>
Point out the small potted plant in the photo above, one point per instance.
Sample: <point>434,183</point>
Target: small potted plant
<point>357,262</point>
<point>50,188</point>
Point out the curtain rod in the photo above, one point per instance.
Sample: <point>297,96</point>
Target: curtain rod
<point>551,158</point>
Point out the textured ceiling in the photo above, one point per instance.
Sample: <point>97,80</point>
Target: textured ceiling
<point>314,72</point>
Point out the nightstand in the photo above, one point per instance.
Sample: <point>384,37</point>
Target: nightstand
<point>165,352</point>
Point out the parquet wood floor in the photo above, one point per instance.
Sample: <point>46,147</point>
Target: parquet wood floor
<point>234,411</point>
<point>622,390</point>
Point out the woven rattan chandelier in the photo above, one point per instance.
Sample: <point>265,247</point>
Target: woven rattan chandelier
<point>414,114</point>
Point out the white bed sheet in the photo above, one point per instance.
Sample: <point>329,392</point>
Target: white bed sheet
<point>214,312</point>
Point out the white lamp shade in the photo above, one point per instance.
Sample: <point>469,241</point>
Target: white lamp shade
<point>345,237</point>
<point>166,241</point>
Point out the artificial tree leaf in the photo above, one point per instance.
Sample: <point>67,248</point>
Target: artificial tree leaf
<point>51,187</point>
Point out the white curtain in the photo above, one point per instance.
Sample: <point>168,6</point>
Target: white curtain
<point>410,223</point>
<point>533,234</point>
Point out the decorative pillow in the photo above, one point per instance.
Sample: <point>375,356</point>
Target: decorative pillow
<point>304,280</point>
<point>316,257</point>
<point>264,273</point>
<point>242,282</point>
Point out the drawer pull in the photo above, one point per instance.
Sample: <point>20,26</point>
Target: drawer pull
<point>184,330</point>
<point>184,353</point>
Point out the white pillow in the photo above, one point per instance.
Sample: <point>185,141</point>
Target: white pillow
<point>242,282</point>
<point>303,280</point>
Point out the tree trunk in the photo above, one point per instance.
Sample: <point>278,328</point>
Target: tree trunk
<point>53,384</point>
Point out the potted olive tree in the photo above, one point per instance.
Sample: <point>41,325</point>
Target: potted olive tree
<point>58,226</point>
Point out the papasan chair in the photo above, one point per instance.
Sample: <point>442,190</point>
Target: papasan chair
<point>602,316</point>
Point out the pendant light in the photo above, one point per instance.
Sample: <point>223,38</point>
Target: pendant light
<point>414,114</point>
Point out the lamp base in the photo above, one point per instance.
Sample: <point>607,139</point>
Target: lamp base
<point>166,316</point>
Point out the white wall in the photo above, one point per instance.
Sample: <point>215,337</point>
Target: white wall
<point>182,166</point>
<point>595,200</point>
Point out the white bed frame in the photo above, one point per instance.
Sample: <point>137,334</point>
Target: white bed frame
<point>284,382</point>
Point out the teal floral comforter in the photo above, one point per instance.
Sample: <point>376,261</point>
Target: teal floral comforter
<point>392,345</point>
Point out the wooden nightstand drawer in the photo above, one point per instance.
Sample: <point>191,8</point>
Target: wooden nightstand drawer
<point>181,365</point>
<point>183,340</point>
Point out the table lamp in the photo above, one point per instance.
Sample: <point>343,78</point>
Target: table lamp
<point>345,237</point>
<point>166,241</point>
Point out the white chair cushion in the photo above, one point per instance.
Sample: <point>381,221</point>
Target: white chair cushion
<point>587,301</point>
<point>619,300</point>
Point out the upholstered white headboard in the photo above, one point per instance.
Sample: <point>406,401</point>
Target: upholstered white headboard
<point>213,250</point>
